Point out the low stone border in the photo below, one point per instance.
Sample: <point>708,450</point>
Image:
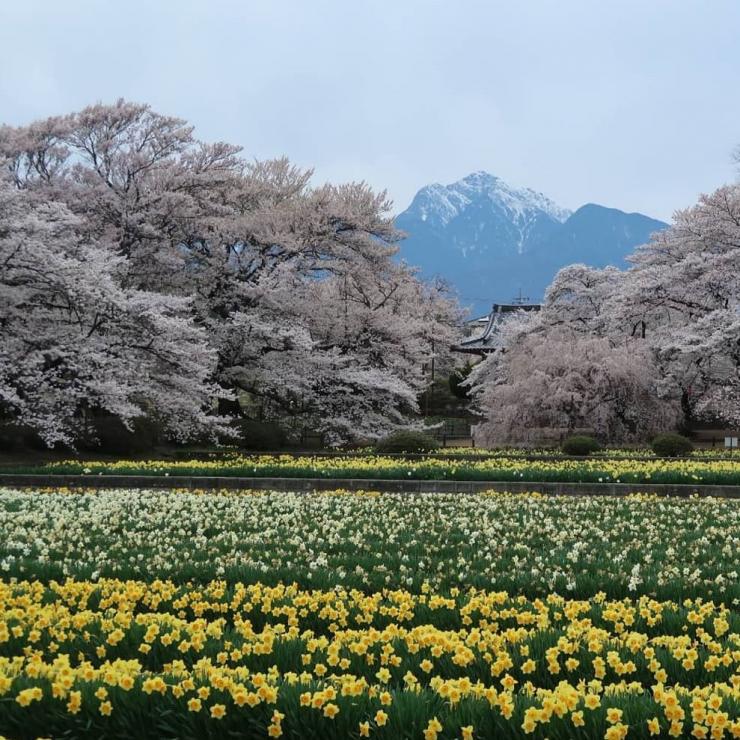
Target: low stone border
<point>306,485</point>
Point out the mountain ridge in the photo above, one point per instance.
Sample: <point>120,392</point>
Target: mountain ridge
<point>492,240</point>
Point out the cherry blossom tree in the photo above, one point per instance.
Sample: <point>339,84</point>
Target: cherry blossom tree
<point>263,259</point>
<point>565,381</point>
<point>581,298</point>
<point>74,339</point>
<point>137,179</point>
<point>682,295</point>
<point>375,328</point>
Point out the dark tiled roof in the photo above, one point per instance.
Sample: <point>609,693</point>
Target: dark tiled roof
<point>482,344</point>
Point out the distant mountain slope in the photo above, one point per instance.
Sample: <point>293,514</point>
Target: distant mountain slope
<point>491,240</point>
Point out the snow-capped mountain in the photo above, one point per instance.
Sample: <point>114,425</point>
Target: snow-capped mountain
<point>492,240</point>
<point>439,204</point>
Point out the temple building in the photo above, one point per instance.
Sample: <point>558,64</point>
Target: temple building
<point>480,332</point>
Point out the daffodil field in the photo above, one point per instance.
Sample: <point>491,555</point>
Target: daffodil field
<point>667,548</point>
<point>192,614</point>
<point>499,467</point>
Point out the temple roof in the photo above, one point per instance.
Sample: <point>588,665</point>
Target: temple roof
<point>483,343</point>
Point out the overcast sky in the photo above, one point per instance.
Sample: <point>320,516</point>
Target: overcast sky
<point>631,104</point>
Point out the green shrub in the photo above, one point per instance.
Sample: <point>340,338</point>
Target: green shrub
<point>407,442</point>
<point>580,445</point>
<point>672,445</point>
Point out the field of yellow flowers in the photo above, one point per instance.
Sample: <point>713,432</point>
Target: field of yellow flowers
<point>500,467</point>
<point>186,614</point>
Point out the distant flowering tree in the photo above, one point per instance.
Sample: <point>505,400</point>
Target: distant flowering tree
<point>294,288</point>
<point>580,298</point>
<point>559,379</point>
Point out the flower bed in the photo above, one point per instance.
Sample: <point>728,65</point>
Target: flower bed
<point>154,660</point>
<point>525,544</point>
<point>512,468</point>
